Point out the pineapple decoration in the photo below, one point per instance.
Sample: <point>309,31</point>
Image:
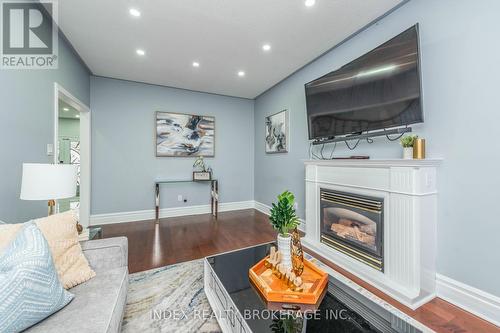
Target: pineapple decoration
<point>297,253</point>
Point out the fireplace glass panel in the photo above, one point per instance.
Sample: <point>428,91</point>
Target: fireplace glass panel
<point>353,224</point>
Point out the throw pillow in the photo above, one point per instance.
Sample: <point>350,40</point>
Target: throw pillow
<point>30,289</point>
<point>61,235</point>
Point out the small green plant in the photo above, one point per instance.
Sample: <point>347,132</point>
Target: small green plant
<point>407,141</point>
<point>283,216</point>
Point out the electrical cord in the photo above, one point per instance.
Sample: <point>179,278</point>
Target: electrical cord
<point>396,138</point>
<point>333,150</point>
<point>354,147</point>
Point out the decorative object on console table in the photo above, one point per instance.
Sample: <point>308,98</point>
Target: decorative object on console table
<point>277,133</point>
<point>407,142</point>
<point>201,175</point>
<point>419,149</point>
<point>49,182</point>
<point>199,170</point>
<point>180,135</point>
<point>283,219</point>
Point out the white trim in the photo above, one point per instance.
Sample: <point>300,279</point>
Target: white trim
<point>149,214</point>
<point>364,163</point>
<point>85,146</point>
<point>471,299</point>
<point>263,208</point>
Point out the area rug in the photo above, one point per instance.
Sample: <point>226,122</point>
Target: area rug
<point>169,299</point>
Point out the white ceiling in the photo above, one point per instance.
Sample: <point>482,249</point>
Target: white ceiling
<point>224,36</point>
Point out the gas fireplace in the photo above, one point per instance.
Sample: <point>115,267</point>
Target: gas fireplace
<point>353,225</point>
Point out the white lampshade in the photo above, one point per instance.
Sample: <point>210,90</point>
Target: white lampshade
<point>48,181</point>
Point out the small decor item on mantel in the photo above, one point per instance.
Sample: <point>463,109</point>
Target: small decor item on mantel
<point>283,219</point>
<point>419,149</point>
<point>407,142</point>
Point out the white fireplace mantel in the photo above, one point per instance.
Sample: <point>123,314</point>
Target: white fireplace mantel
<point>408,188</point>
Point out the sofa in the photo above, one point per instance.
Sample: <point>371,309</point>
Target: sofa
<point>99,303</point>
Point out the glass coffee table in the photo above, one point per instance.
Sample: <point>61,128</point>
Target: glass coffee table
<point>346,307</point>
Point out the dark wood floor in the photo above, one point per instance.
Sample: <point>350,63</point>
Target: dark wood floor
<point>186,238</point>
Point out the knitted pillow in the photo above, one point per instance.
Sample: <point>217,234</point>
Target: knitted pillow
<point>61,235</point>
<point>30,289</point>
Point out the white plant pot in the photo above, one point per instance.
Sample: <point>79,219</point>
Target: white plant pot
<point>284,246</point>
<point>408,153</point>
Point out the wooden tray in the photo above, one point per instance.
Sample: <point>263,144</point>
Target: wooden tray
<point>274,289</point>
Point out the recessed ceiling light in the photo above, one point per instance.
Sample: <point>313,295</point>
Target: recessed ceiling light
<point>241,73</point>
<point>266,47</point>
<point>77,116</point>
<point>65,109</point>
<point>310,3</point>
<point>140,52</point>
<point>134,12</point>
<point>196,64</point>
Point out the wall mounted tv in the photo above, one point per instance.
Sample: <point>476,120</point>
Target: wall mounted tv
<point>378,90</point>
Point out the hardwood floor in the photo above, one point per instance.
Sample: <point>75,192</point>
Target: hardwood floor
<point>192,237</point>
<point>186,238</point>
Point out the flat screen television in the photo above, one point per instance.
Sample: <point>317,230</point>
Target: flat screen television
<point>378,90</point>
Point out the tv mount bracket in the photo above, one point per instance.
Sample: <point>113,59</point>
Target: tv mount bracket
<point>367,135</point>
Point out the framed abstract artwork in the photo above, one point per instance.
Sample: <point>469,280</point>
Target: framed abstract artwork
<point>277,133</point>
<point>184,135</point>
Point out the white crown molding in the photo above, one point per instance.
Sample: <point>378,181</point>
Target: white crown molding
<point>471,299</point>
<point>149,214</point>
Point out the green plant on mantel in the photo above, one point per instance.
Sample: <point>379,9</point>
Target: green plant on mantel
<point>407,141</point>
<point>283,216</point>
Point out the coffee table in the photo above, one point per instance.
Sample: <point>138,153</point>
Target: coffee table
<point>239,308</point>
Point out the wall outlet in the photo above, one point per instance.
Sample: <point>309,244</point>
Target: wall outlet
<point>179,198</point>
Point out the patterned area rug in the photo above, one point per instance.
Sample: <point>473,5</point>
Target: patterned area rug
<point>169,299</point>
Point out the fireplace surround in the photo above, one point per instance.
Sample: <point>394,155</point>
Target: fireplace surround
<point>405,191</point>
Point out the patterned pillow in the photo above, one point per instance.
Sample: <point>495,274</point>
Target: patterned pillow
<point>30,290</point>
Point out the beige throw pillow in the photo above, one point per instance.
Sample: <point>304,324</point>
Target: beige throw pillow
<point>7,234</point>
<point>60,232</point>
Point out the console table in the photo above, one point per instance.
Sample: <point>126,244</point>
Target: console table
<point>214,194</point>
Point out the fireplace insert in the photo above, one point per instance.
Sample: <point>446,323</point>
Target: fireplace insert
<point>353,225</point>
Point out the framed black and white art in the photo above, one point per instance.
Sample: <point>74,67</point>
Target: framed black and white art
<point>184,135</point>
<point>277,133</point>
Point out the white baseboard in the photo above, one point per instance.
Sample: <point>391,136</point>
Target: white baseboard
<point>263,208</point>
<point>473,300</point>
<point>149,214</point>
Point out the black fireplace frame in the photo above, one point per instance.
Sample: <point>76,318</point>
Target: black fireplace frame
<point>379,239</point>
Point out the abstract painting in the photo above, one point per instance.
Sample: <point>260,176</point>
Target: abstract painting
<point>181,135</point>
<point>277,132</point>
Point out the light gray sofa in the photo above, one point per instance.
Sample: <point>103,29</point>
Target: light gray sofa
<point>99,303</point>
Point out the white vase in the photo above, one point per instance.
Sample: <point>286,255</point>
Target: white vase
<point>408,153</point>
<point>284,246</point>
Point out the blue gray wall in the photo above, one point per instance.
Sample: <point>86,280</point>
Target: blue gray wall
<point>460,81</point>
<point>124,166</point>
<point>27,125</point>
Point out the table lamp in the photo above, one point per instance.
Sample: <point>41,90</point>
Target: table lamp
<point>48,182</point>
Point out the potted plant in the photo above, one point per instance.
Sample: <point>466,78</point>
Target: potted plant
<point>407,142</point>
<point>283,219</point>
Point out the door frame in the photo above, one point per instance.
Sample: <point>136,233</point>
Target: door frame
<point>85,146</point>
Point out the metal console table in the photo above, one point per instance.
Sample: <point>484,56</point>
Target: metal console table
<point>214,194</point>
